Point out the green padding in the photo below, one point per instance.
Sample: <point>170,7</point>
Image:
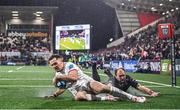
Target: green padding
<point>165,66</point>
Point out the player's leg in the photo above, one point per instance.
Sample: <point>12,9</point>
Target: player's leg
<point>82,95</point>
<point>98,87</point>
<point>95,74</point>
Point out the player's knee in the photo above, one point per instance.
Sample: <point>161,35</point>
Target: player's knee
<point>98,87</point>
<point>80,96</point>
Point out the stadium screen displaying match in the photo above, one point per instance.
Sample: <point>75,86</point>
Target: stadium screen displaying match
<point>73,37</point>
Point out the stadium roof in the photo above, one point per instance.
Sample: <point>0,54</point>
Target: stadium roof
<point>27,12</point>
<point>157,6</point>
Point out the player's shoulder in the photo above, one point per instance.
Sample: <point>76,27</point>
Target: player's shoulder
<point>70,65</point>
<point>128,77</point>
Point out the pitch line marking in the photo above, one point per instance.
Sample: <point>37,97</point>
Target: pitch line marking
<point>161,84</point>
<point>45,86</point>
<point>27,71</point>
<point>22,79</point>
<point>27,86</point>
<point>20,67</point>
<point>10,71</point>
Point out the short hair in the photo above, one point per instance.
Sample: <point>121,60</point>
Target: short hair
<point>55,56</point>
<point>119,69</point>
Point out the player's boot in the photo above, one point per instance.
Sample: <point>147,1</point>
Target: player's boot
<point>138,99</point>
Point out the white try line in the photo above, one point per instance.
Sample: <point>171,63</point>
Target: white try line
<point>43,86</point>
<point>161,84</point>
<point>24,79</point>
<point>156,86</point>
<point>27,86</point>
<point>20,67</point>
<point>30,71</point>
<point>10,71</point>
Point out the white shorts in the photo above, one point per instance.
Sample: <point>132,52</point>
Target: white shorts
<point>80,85</point>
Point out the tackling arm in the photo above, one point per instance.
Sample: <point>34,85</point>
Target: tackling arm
<point>147,90</point>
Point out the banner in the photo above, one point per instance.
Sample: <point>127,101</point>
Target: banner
<point>27,34</point>
<point>149,67</point>
<point>178,67</point>
<point>128,65</point>
<point>115,64</point>
<point>134,66</point>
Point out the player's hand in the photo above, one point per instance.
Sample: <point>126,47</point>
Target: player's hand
<point>49,97</point>
<point>154,94</point>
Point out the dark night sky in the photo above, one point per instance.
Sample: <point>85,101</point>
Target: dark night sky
<point>94,12</point>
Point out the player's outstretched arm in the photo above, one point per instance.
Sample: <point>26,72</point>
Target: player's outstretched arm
<point>147,90</point>
<point>55,94</point>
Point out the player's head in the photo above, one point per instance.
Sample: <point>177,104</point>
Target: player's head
<point>120,74</point>
<point>56,61</point>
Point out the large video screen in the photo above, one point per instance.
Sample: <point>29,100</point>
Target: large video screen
<point>73,37</point>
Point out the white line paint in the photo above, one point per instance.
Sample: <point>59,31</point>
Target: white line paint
<point>10,71</point>
<point>22,79</point>
<point>161,84</point>
<point>156,86</point>
<point>157,83</point>
<point>49,86</point>
<point>27,86</point>
<point>27,71</point>
<point>20,67</point>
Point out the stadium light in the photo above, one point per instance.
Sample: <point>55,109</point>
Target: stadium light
<point>177,8</point>
<point>39,12</point>
<point>36,14</point>
<point>172,9</point>
<point>153,9</point>
<point>122,4</point>
<point>39,18</point>
<point>163,13</point>
<point>111,39</point>
<point>170,0</point>
<point>160,4</point>
<point>14,12</point>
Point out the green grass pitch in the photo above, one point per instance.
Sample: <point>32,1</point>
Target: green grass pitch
<point>24,88</point>
<point>72,43</point>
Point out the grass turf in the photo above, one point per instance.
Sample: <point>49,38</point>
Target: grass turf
<point>24,88</point>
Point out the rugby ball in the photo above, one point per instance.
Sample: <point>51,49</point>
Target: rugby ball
<point>61,84</point>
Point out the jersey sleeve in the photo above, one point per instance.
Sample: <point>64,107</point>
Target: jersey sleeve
<point>132,82</point>
<point>70,67</point>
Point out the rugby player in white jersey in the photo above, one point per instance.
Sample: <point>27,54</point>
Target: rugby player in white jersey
<point>82,86</point>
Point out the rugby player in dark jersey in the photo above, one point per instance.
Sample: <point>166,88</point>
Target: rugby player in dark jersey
<point>123,82</point>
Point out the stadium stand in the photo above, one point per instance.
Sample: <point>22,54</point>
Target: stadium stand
<point>144,44</point>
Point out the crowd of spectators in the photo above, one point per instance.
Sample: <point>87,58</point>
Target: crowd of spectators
<point>24,45</point>
<point>19,44</point>
<point>145,45</point>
